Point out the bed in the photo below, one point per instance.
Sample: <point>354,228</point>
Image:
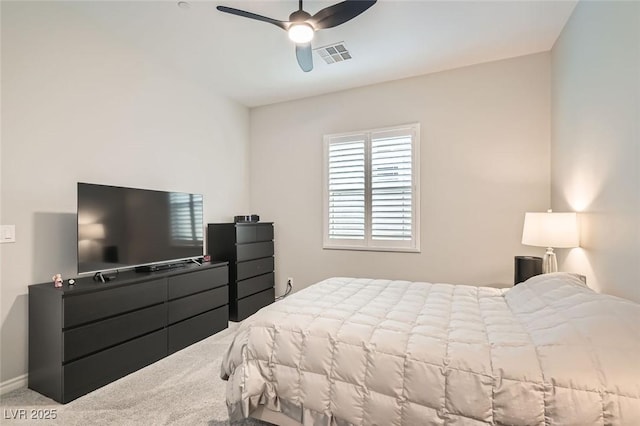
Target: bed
<point>380,352</point>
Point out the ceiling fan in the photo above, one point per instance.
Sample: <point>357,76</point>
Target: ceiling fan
<point>301,26</point>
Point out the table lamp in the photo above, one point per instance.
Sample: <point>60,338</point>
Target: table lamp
<point>559,230</point>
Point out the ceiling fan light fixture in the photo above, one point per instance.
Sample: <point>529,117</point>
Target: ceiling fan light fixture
<point>301,26</point>
<point>301,33</point>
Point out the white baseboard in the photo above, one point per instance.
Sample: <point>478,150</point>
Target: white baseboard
<point>13,384</point>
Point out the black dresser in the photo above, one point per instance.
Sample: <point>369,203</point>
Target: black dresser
<point>84,336</point>
<point>248,247</point>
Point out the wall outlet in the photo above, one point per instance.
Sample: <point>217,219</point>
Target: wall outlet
<point>7,234</point>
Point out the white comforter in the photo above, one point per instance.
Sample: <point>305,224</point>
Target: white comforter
<point>379,352</point>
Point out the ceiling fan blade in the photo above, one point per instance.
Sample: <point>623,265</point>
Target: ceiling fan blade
<point>339,13</point>
<point>303,54</point>
<point>245,14</point>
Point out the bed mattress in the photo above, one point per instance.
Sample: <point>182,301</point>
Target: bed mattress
<point>380,352</point>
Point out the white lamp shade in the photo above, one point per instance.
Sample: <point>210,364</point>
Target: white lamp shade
<point>559,230</point>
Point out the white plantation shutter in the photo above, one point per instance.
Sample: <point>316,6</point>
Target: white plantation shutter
<point>347,190</point>
<point>391,187</point>
<point>371,197</point>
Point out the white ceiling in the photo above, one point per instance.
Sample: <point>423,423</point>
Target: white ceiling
<point>254,62</point>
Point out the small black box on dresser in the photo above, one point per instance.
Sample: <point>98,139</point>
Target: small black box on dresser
<point>249,249</point>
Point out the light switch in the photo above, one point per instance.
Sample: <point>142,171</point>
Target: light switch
<point>7,234</point>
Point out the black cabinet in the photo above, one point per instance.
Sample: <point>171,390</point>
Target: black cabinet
<point>84,336</point>
<point>248,247</point>
<point>526,267</point>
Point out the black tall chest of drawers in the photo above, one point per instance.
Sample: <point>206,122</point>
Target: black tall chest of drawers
<point>248,247</point>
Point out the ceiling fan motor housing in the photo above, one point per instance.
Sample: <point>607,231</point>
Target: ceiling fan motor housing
<point>299,16</point>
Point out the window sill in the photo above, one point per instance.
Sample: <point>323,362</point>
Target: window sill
<point>360,248</point>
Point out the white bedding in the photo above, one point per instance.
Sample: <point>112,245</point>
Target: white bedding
<point>380,352</point>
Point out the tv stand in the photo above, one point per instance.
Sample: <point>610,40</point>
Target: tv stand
<point>86,335</point>
<point>99,276</point>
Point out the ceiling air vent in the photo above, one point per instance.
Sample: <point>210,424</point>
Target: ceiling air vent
<point>333,53</point>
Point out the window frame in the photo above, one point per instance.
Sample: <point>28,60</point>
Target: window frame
<point>368,243</point>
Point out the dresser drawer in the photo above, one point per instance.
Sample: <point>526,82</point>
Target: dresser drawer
<point>82,308</point>
<point>254,250</point>
<point>253,233</point>
<point>250,305</point>
<point>86,339</point>
<point>189,306</point>
<point>197,328</point>
<point>255,285</point>
<point>194,282</point>
<point>92,372</point>
<point>254,268</point>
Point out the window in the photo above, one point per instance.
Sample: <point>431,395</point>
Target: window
<point>371,197</point>
<point>186,214</point>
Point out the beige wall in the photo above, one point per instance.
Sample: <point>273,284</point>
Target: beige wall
<point>79,106</point>
<point>485,135</point>
<point>595,156</point>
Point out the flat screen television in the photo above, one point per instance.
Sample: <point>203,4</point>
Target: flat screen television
<point>122,228</point>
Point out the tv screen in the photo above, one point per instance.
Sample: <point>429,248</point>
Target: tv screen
<point>120,228</point>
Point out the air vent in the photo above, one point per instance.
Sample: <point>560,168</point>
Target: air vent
<point>333,53</point>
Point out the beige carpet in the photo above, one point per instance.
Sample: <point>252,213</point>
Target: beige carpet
<point>182,389</point>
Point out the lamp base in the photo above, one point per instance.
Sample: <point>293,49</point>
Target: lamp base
<point>549,262</point>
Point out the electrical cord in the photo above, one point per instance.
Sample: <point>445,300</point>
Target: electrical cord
<point>287,291</point>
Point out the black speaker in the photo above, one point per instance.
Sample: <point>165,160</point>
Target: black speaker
<point>249,218</point>
<point>526,267</point>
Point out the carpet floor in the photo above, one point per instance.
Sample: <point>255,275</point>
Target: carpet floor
<point>182,389</point>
